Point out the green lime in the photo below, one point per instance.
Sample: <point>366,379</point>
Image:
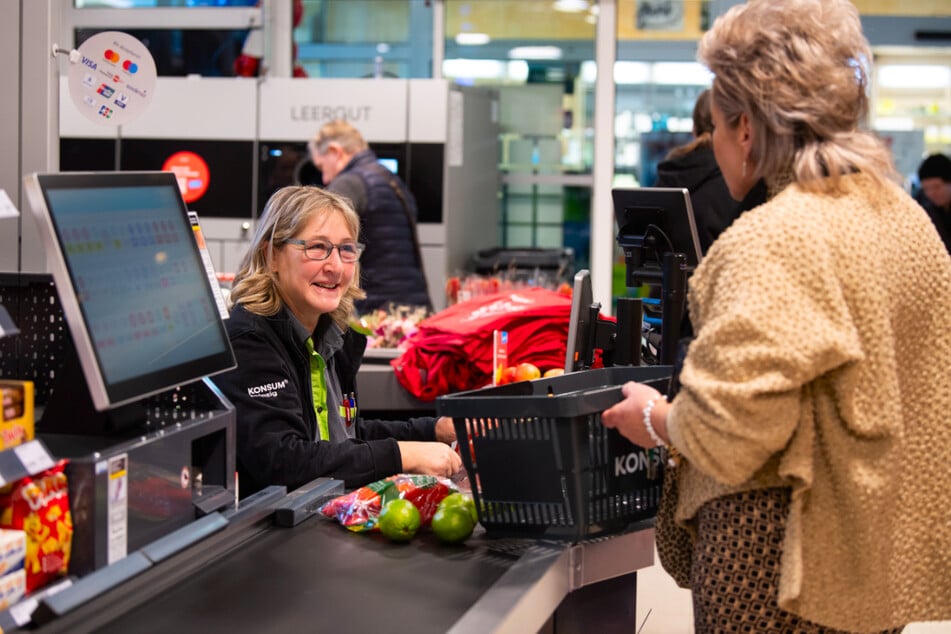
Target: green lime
<point>399,520</point>
<point>463,500</point>
<point>452,524</point>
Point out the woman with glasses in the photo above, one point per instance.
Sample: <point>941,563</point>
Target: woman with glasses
<point>294,388</point>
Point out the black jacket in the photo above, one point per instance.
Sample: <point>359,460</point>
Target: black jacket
<point>389,268</point>
<point>276,422</point>
<point>713,208</point>
<point>942,221</point>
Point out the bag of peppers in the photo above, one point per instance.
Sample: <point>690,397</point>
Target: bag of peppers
<point>359,509</point>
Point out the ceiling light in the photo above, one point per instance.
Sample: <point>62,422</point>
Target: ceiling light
<point>514,71</point>
<point>535,52</point>
<point>893,123</point>
<point>472,39</point>
<point>681,74</point>
<point>919,76</point>
<point>570,6</point>
<point>473,68</point>
<point>589,72</point>
<point>631,73</point>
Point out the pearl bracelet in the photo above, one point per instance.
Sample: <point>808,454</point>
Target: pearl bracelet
<point>648,409</point>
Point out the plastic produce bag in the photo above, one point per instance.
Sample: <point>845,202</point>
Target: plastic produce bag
<point>359,509</point>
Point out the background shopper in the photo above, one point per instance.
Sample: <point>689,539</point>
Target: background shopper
<point>392,265</point>
<point>934,174</point>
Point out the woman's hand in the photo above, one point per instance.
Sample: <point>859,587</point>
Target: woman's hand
<point>445,430</point>
<point>627,416</point>
<point>429,458</point>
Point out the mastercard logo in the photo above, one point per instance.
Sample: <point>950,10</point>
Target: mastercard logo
<point>111,56</point>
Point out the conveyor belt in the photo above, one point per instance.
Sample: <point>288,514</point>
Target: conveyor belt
<point>254,576</point>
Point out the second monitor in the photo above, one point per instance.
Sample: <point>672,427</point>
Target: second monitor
<point>652,221</point>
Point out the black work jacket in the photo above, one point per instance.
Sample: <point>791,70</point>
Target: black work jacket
<point>276,423</point>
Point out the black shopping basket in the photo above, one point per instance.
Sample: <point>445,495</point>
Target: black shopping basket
<point>541,464</point>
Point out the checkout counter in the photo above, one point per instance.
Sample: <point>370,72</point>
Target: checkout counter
<point>271,564</point>
<point>381,395</point>
<point>254,575</point>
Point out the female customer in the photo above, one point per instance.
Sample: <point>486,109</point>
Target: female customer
<point>812,414</point>
<point>294,388</point>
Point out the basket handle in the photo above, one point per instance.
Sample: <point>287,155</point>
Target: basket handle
<point>601,398</point>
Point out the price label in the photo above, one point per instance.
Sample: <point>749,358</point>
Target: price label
<point>22,612</point>
<point>33,456</point>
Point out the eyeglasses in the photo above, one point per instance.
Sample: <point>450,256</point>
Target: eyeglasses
<point>321,250</point>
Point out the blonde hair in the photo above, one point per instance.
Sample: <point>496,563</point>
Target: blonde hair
<point>799,70</point>
<point>340,132</point>
<point>286,213</point>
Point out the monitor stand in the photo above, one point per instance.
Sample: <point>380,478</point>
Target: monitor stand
<point>70,409</point>
<point>137,472</point>
<point>672,277</point>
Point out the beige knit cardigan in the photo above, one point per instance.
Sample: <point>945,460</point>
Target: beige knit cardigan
<point>822,361</point>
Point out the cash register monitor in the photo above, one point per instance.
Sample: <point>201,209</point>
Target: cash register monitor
<point>579,351</point>
<point>652,221</point>
<point>130,279</point>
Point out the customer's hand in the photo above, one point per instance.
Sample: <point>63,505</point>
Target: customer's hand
<point>627,416</point>
<point>429,458</point>
<point>445,430</point>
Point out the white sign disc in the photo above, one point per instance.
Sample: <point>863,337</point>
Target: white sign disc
<point>114,78</point>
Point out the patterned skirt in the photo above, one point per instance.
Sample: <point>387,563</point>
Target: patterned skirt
<point>735,572</point>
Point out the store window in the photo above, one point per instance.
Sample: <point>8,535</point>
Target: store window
<point>185,37</point>
<point>532,52</point>
<point>140,4</point>
<point>540,56</point>
<point>911,106</point>
<point>365,38</point>
<point>183,52</point>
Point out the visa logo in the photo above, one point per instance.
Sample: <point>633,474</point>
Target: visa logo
<point>89,62</point>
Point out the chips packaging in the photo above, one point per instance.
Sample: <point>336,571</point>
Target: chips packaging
<point>39,506</point>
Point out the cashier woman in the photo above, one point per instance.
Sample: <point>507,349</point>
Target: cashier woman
<point>297,409</point>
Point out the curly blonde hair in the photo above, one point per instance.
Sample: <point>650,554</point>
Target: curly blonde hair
<point>287,212</point>
<point>799,70</point>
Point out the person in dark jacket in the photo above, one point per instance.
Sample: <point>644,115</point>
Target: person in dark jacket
<point>934,174</point>
<point>693,167</point>
<point>294,388</point>
<point>392,265</point>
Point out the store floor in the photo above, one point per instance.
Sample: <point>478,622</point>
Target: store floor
<point>664,608</point>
